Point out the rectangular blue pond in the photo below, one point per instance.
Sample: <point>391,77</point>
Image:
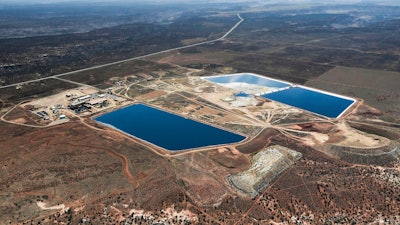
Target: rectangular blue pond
<point>166,130</point>
<point>248,78</point>
<point>322,103</point>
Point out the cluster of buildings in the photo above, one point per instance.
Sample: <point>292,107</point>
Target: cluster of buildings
<point>46,115</point>
<point>83,101</point>
<point>43,114</point>
<point>86,102</point>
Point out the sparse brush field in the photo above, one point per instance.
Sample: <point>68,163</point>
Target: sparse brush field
<point>80,171</point>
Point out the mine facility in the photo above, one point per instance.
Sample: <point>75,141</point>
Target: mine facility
<point>83,101</point>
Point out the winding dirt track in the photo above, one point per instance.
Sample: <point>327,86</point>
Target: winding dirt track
<point>189,204</point>
<point>124,161</point>
<point>245,214</point>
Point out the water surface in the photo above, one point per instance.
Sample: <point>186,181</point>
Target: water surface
<point>313,101</point>
<point>166,130</point>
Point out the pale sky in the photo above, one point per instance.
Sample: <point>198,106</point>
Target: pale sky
<point>188,1</point>
<point>382,2</point>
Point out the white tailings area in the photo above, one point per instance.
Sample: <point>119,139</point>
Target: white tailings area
<point>259,90</point>
<point>247,88</point>
<point>266,165</point>
<point>251,74</point>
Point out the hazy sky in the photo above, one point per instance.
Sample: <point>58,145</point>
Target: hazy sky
<point>389,2</point>
<point>265,1</point>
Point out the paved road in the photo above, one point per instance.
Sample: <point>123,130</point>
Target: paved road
<point>131,59</point>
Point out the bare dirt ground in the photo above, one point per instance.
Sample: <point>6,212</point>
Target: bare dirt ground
<point>83,172</point>
<point>184,59</point>
<point>72,172</point>
<point>378,88</point>
<point>19,115</point>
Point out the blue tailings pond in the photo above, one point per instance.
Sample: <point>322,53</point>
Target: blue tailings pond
<point>166,130</point>
<point>319,102</point>
<point>313,101</point>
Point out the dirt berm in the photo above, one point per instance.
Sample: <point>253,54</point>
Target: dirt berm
<point>266,165</point>
<point>377,156</point>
